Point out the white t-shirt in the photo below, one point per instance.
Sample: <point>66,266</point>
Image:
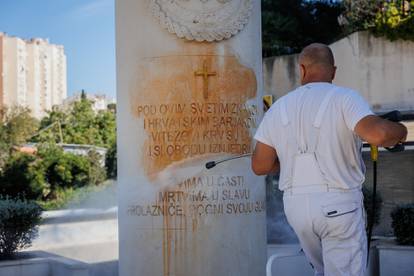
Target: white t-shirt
<point>337,147</point>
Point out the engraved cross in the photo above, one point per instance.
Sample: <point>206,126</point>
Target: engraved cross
<point>205,74</point>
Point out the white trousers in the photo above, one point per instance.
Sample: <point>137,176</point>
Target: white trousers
<point>330,226</point>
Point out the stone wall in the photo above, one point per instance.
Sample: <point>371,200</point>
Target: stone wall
<point>379,69</point>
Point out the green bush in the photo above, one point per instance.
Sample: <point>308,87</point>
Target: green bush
<point>403,224</point>
<point>39,177</point>
<point>62,169</point>
<point>18,225</point>
<point>66,170</point>
<point>18,179</point>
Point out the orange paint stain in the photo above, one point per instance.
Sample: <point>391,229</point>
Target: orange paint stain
<point>187,114</point>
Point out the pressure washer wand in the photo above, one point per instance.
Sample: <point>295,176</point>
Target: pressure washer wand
<point>212,164</point>
<point>371,220</point>
<point>394,116</point>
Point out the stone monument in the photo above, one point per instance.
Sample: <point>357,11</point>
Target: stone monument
<point>189,91</point>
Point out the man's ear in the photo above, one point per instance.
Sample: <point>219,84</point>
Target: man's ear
<point>333,72</point>
<point>302,70</point>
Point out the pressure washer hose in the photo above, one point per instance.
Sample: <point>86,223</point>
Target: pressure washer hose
<point>212,164</point>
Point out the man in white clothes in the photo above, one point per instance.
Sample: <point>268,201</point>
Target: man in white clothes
<point>314,136</point>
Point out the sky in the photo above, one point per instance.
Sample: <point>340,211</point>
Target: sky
<point>86,29</point>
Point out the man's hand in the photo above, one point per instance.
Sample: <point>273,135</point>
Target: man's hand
<point>264,160</point>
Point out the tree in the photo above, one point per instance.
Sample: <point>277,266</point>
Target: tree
<point>96,173</point>
<point>288,26</point>
<point>280,26</point>
<point>15,129</point>
<point>392,19</point>
<point>112,107</point>
<point>4,146</point>
<point>83,95</point>
<point>50,128</point>
<point>80,124</point>
<point>395,20</point>
<point>19,125</point>
<point>106,124</point>
<point>361,14</point>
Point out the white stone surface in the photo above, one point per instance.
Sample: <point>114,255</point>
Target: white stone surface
<point>69,228</point>
<point>202,20</point>
<point>32,267</point>
<point>290,264</point>
<point>154,68</point>
<point>396,260</point>
<point>52,266</point>
<point>86,235</point>
<point>381,70</point>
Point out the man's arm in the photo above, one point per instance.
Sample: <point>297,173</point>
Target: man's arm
<point>380,132</point>
<point>264,159</point>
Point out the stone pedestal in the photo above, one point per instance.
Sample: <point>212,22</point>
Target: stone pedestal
<point>189,91</point>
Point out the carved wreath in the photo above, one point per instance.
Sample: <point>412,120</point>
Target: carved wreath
<point>202,20</point>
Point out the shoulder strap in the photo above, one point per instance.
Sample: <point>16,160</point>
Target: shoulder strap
<point>322,109</point>
<point>283,113</point>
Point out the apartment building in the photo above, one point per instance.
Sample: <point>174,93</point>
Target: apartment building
<point>32,74</point>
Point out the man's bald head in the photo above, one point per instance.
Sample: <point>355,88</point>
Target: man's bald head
<point>317,63</point>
